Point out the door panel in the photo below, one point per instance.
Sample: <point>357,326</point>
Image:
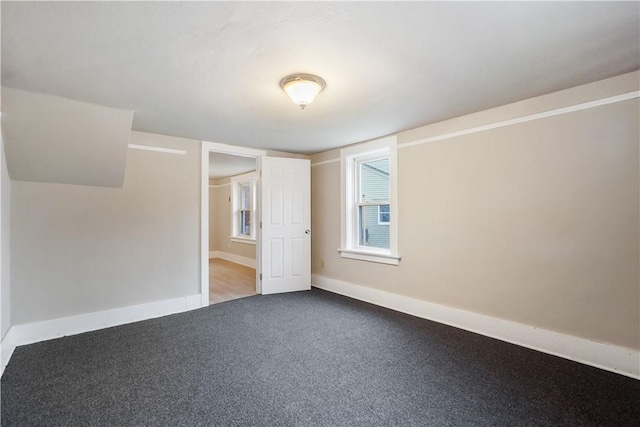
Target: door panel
<point>286,219</point>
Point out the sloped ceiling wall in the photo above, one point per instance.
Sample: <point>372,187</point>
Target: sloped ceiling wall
<point>52,139</point>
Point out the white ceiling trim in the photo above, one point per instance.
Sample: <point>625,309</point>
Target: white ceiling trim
<point>529,118</point>
<point>157,149</point>
<point>232,149</point>
<point>325,162</point>
<point>555,112</point>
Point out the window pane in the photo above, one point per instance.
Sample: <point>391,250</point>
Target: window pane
<point>245,196</point>
<point>383,214</point>
<point>374,180</point>
<point>245,223</point>
<point>370,233</point>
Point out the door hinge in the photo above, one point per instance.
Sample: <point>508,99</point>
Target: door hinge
<point>261,224</point>
<point>260,276</point>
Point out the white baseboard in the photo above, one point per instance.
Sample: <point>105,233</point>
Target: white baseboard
<point>238,259</point>
<point>621,360</point>
<point>29,333</point>
<point>7,352</point>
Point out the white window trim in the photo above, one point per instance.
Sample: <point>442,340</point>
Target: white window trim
<point>250,178</point>
<point>244,240</point>
<point>349,240</point>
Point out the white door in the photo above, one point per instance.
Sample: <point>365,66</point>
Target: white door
<point>286,225</point>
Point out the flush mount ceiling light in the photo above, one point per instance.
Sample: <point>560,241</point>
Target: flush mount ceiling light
<point>302,88</point>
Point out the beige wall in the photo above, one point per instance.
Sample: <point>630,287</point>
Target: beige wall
<point>220,221</point>
<point>81,249</point>
<point>536,222</point>
<point>219,214</point>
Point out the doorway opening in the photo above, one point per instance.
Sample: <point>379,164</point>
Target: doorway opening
<point>232,226</point>
<point>230,238</point>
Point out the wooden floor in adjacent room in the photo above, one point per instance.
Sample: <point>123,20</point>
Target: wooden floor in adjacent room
<point>228,280</point>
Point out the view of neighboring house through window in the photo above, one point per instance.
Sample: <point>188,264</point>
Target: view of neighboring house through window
<point>374,191</point>
<point>243,201</point>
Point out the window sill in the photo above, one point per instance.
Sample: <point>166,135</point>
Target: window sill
<point>370,256</point>
<point>244,240</point>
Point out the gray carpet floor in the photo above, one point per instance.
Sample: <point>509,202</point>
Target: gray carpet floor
<point>303,359</point>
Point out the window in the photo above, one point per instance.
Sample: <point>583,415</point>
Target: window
<point>369,202</point>
<point>383,215</point>
<point>243,204</point>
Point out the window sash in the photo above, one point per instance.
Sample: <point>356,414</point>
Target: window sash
<point>359,162</point>
<point>359,238</point>
<point>243,207</point>
<point>244,222</point>
<point>245,196</point>
<point>385,203</point>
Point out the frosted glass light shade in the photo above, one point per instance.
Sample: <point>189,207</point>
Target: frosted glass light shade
<point>302,88</point>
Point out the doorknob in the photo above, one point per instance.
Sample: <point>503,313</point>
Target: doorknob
<point>307,231</point>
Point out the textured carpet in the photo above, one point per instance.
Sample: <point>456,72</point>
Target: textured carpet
<point>308,358</point>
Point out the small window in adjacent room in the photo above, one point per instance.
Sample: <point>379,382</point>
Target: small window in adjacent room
<point>243,203</point>
<point>369,202</point>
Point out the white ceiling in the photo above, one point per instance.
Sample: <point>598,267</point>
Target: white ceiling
<point>224,165</point>
<point>210,70</point>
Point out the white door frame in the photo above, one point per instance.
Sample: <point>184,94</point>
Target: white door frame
<point>208,147</point>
